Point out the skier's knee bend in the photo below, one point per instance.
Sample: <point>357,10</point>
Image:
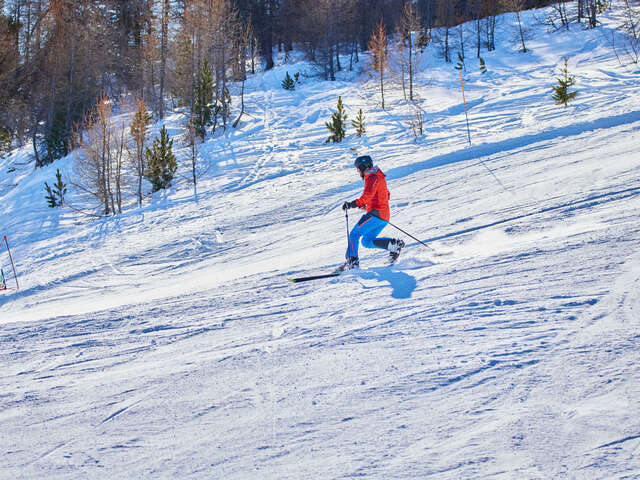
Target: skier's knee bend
<point>368,242</point>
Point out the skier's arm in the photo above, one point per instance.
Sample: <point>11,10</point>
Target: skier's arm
<point>370,186</point>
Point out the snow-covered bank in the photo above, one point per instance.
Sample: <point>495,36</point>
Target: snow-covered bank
<point>167,343</point>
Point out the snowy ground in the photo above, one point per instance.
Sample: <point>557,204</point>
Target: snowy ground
<point>167,342</point>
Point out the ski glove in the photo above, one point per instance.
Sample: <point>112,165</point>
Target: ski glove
<point>347,205</point>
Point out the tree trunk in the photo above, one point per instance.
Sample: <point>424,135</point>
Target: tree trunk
<point>235,124</point>
<point>140,174</point>
<point>34,131</point>
<point>404,86</point>
<point>410,68</point>
<point>163,52</point>
<point>447,58</point>
<point>478,40</point>
<point>593,20</point>
<point>71,75</point>
<point>332,72</point>
<point>119,171</point>
<point>253,56</point>
<point>461,31</point>
<point>104,172</point>
<point>524,48</point>
<point>580,10</point>
<point>267,47</point>
<point>382,86</point>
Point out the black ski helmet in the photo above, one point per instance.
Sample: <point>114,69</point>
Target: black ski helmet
<point>363,162</point>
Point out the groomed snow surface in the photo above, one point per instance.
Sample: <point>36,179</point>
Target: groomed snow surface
<point>167,342</point>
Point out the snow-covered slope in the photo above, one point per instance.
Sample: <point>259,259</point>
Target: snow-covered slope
<point>167,343</point>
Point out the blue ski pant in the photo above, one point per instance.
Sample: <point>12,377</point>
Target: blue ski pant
<point>368,228</point>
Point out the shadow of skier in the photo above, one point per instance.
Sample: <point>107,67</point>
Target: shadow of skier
<point>402,284</point>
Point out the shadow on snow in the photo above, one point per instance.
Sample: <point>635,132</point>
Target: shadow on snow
<point>402,284</point>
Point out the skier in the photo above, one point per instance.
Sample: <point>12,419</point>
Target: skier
<point>375,200</point>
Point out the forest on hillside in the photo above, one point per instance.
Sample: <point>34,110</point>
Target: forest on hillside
<point>58,58</point>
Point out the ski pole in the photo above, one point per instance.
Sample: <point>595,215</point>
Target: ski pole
<point>12,265</point>
<point>406,233</point>
<point>349,249</point>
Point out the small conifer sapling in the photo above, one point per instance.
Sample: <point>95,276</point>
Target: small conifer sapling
<point>50,197</point>
<point>483,66</point>
<point>358,124</point>
<point>337,124</point>
<point>55,195</point>
<point>561,94</point>
<point>288,83</point>
<point>460,65</point>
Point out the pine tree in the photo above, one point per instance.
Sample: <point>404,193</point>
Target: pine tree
<point>202,110</point>
<point>562,95</point>
<point>337,124</point>
<point>161,162</point>
<point>288,83</point>
<point>56,141</point>
<point>138,130</point>
<point>358,124</point>
<point>460,65</point>
<point>55,195</point>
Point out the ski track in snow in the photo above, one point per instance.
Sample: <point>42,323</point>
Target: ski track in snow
<point>167,342</point>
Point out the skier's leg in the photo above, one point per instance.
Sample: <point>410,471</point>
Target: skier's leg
<point>392,245</point>
<point>354,236</point>
<point>382,242</point>
<point>373,229</point>
<point>354,243</point>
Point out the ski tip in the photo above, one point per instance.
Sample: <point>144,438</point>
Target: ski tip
<point>292,280</point>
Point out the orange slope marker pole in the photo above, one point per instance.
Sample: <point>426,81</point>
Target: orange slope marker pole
<point>465,108</point>
<point>15,275</point>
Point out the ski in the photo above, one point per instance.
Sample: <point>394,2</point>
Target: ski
<point>314,277</point>
<point>335,273</point>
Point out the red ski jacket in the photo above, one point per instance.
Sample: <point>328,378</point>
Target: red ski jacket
<point>376,194</point>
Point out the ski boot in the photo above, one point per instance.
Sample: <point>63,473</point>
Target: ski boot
<point>352,262</point>
<point>395,246</point>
